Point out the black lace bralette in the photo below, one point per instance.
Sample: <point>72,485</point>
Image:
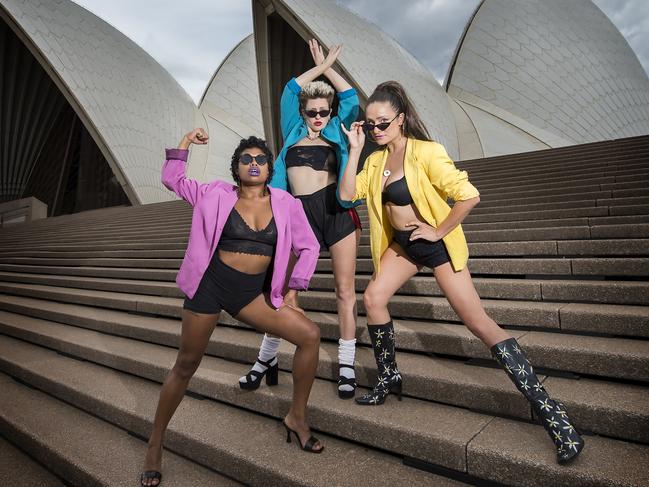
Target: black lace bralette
<point>317,157</point>
<point>238,237</point>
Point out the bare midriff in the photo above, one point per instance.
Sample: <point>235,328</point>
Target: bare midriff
<point>400,216</point>
<point>246,263</point>
<point>306,180</point>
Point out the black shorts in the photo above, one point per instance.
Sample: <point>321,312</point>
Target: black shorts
<point>329,221</point>
<point>223,287</point>
<point>422,252</point>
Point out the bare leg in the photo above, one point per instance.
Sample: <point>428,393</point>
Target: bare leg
<point>463,298</point>
<point>196,331</point>
<point>343,257</point>
<point>396,269</point>
<point>293,326</point>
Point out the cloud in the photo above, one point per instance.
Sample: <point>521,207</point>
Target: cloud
<point>191,39</point>
<point>188,39</point>
<point>431,29</point>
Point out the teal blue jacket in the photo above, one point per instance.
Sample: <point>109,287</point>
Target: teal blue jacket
<point>294,129</point>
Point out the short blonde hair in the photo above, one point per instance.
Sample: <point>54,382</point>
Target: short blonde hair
<point>316,89</point>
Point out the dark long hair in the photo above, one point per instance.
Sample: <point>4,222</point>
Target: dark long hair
<point>251,142</point>
<point>395,95</point>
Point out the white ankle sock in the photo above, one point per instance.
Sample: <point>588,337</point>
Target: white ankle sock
<point>346,353</point>
<point>267,351</point>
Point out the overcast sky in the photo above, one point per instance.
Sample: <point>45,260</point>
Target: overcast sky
<point>191,39</point>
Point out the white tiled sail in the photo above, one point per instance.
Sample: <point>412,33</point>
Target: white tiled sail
<point>130,104</point>
<point>231,109</point>
<point>566,71</point>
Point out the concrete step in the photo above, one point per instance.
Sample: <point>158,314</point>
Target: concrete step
<point>603,247</point>
<point>629,210</point>
<point>152,361</point>
<point>577,156</point>
<point>615,292</point>
<point>563,222</point>
<point>526,234</point>
<point>605,266</point>
<point>528,314</point>
<point>82,458</point>
<point>17,469</point>
<point>231,440</point>
<point>587,211</point>
<point>580,229</point>
<point>596,356</point>
<point>105,272</point>
<point>530,248</point>
<point>616,189</point>
<point>567,185</point>
<point>507,178</point>
<point>101,262</point>
<point>534,160</point>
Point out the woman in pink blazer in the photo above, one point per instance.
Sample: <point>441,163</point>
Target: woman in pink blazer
<point>237,232</point>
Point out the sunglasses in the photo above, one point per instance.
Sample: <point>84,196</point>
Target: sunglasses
<point>315,113</point>
<point>260,159</point>
<point>369,126</point>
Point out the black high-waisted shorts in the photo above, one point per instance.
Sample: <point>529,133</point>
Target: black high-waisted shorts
<point>223,287</point>
<point>422,252</point>
<point>329,221</point>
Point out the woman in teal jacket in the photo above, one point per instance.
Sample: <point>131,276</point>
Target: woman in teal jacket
<point>309,166</point>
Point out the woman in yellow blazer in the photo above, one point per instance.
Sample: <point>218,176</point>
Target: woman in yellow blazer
<point>406,184</point>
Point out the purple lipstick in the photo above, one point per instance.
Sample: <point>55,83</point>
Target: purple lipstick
<point>254,171</point>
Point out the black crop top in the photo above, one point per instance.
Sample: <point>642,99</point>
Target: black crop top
<point>317,157</point>
<point>397,192</point>
<point>238,237</point>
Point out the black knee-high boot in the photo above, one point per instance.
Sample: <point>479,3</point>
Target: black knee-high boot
<point>389,378</point>
<point>552,414</point>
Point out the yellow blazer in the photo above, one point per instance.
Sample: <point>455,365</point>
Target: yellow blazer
<point>432,178</point>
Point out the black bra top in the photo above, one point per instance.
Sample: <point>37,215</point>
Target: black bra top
<point>317,157</point>
<point>238,237</point>
<point>397,192</point>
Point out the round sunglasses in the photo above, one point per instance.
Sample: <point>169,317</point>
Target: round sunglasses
<point>315,113</point>
<point>260,159</point>
<point>369,126</point>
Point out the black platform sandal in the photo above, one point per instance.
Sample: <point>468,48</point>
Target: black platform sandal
<point>344,381</point>
<point>253,378</point>
<point>308,446</point>
<point>150,475</point>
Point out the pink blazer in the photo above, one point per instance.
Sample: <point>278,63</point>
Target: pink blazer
<point>213,203</point>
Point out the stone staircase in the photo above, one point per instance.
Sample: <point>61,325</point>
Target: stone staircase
<point>90,322</point>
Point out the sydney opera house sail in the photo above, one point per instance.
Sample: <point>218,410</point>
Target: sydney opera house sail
<point>85,113</point>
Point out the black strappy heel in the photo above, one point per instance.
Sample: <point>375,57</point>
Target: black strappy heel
<point>308,446</point>
<point>150,474</point>
<point>253,378</point>
<point>344,381</point>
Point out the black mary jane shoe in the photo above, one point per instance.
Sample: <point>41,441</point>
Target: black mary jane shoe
<point>150,475</point>
<point>253,378</point>
<point>308,446</point>
<point>344,381</point>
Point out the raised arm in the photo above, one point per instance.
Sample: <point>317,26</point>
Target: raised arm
<point>319,69</point>
<point>348,108</point>
<point>352,186</point>
<point>175,168</point>
<point>340,84</point>
<point>290,115</point>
